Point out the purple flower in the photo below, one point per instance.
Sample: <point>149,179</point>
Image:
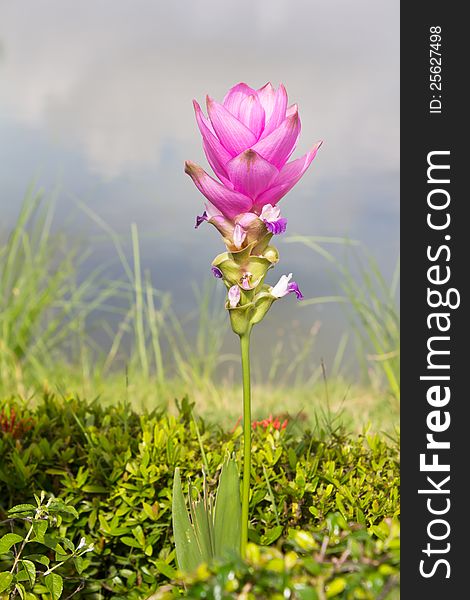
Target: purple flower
<point>216,272</point>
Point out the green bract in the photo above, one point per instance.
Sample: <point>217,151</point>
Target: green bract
<point>236,265</point>
<point>248,271</point>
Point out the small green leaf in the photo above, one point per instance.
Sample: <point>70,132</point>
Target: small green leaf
<point>39,528</point>
<point>60,507</point>
<point>54,584</point>
<point>22,508</point>
<point>30,569</point>
<point>188,553</point>
<point>271,536</point>
<point>335,587</point>
<point>9,540</point>
<point>165,569</point>
<point>133,543</point>
<point>94,489</point>
<point>150,511</point>
<point>139,535</point>
<point>21,591</point>
<point>5,580</point>
<point>305,592</point>
<point>81,564</point>
<point>227,513</point>
<point>39,558</point>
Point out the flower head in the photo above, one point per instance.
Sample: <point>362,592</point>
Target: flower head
<point>248,139</point>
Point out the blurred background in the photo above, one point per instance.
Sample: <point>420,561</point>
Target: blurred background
<point>95,108</point>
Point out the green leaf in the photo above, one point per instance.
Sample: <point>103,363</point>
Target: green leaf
<point>21,591</point>
<point>188,553</point>
<point>150,511</point>
<point>165,569</point>
<point>271,536</point>
<point>94,489</point>
<point>39,528</point>
<point>39,558</point>
<point>228,511</point>
<point>54,584</point>
<point>133,543</point>
<point>139,535</point>
<point>201,517</point>
<point>335,587</point>
<point>305,592</point>
<point>9,540</point>
<point>30,569</point>
<point>60,507</point>
<point>5,581</point>
<point>22,508</point>
<point>81,564</point>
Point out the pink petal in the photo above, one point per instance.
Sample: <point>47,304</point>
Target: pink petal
<point>250,173</point>
<point>235,97</point>
<point>232,134</point>
<point>278,112</point>
<point>251,114</point>
<point>229,202</point>
<point>287,178</point>
<point>215,152</point>
<point>217,167</point>
<point>293,108</point>
<point>279,144</point>
<point>266,96</point>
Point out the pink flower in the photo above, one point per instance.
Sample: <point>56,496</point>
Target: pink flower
<point>248,140</point>
<point>234,296</point>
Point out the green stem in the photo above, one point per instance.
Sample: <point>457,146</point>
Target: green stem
<point>20,551</point>
<point>245,350</point>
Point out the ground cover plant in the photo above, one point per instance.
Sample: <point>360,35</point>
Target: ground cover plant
<point>324,506</point>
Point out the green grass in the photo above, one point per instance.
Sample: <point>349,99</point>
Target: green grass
<point>372,304</point>
<point>50,314</point>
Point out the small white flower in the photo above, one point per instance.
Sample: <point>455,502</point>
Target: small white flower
<point>270,213</point>
<point>282,286</point>
<point>81,543</point>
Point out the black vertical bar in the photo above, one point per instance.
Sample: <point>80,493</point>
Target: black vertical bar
<point>433,121</point>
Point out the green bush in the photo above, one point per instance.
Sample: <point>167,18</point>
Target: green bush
<point>336,495</point>
<point>36,554</point>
